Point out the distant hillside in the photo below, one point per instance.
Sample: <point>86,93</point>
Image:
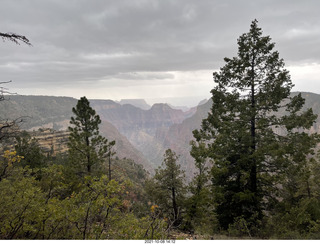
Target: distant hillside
<point>312,100</point>
<point>123,148</point>
<point>141,127</point>
<point>128,117</point>
<point>179,136</point>
<point>37,111</point>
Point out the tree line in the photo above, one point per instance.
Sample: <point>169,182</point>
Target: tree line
<point>257,169</point>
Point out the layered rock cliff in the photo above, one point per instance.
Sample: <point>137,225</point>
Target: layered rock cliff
<point>51,141</point>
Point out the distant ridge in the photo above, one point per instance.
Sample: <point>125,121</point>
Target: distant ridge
<point>203,102</point>
<point>139,103</point>
<point>183,108</point>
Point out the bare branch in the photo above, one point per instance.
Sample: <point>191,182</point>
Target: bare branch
<point>15,38</point>
<point>10,128</point>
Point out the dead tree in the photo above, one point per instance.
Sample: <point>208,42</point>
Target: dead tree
<point>9,128</point>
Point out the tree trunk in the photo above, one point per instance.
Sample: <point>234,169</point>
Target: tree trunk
<point>109,167</point>
<point>174,204</point>
<point>88,155</point>
<point>253,170</point>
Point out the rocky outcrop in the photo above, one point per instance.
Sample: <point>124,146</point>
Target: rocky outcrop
<point>54,142</point>
<point>50,141</point>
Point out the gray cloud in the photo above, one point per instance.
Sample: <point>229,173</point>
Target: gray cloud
<point>141,42</point>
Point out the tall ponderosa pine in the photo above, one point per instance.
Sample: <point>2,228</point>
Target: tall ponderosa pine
<point>87,148</point>
<point>250,142</point>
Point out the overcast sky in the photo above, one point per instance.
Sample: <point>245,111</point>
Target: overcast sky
<point>115,49</point>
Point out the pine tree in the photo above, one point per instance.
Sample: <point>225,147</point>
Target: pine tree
<point>254,130</point>
<point>30,150</point>
<point>87,148</point>
<point>167,187</point>
<point>199,204</point>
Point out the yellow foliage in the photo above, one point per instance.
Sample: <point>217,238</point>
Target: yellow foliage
<point>153,208</point>
<point>12,157</point>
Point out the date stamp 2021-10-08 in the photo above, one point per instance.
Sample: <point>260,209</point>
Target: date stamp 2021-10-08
<point>159,241</point>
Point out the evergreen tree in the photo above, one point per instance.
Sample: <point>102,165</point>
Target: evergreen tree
<point>30,150</point>
<point>199,205</point>
<point>87,148</point>
<point>167,187</point>
<point>249,141</point>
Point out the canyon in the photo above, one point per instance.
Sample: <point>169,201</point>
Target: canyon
<point>142,132</point>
